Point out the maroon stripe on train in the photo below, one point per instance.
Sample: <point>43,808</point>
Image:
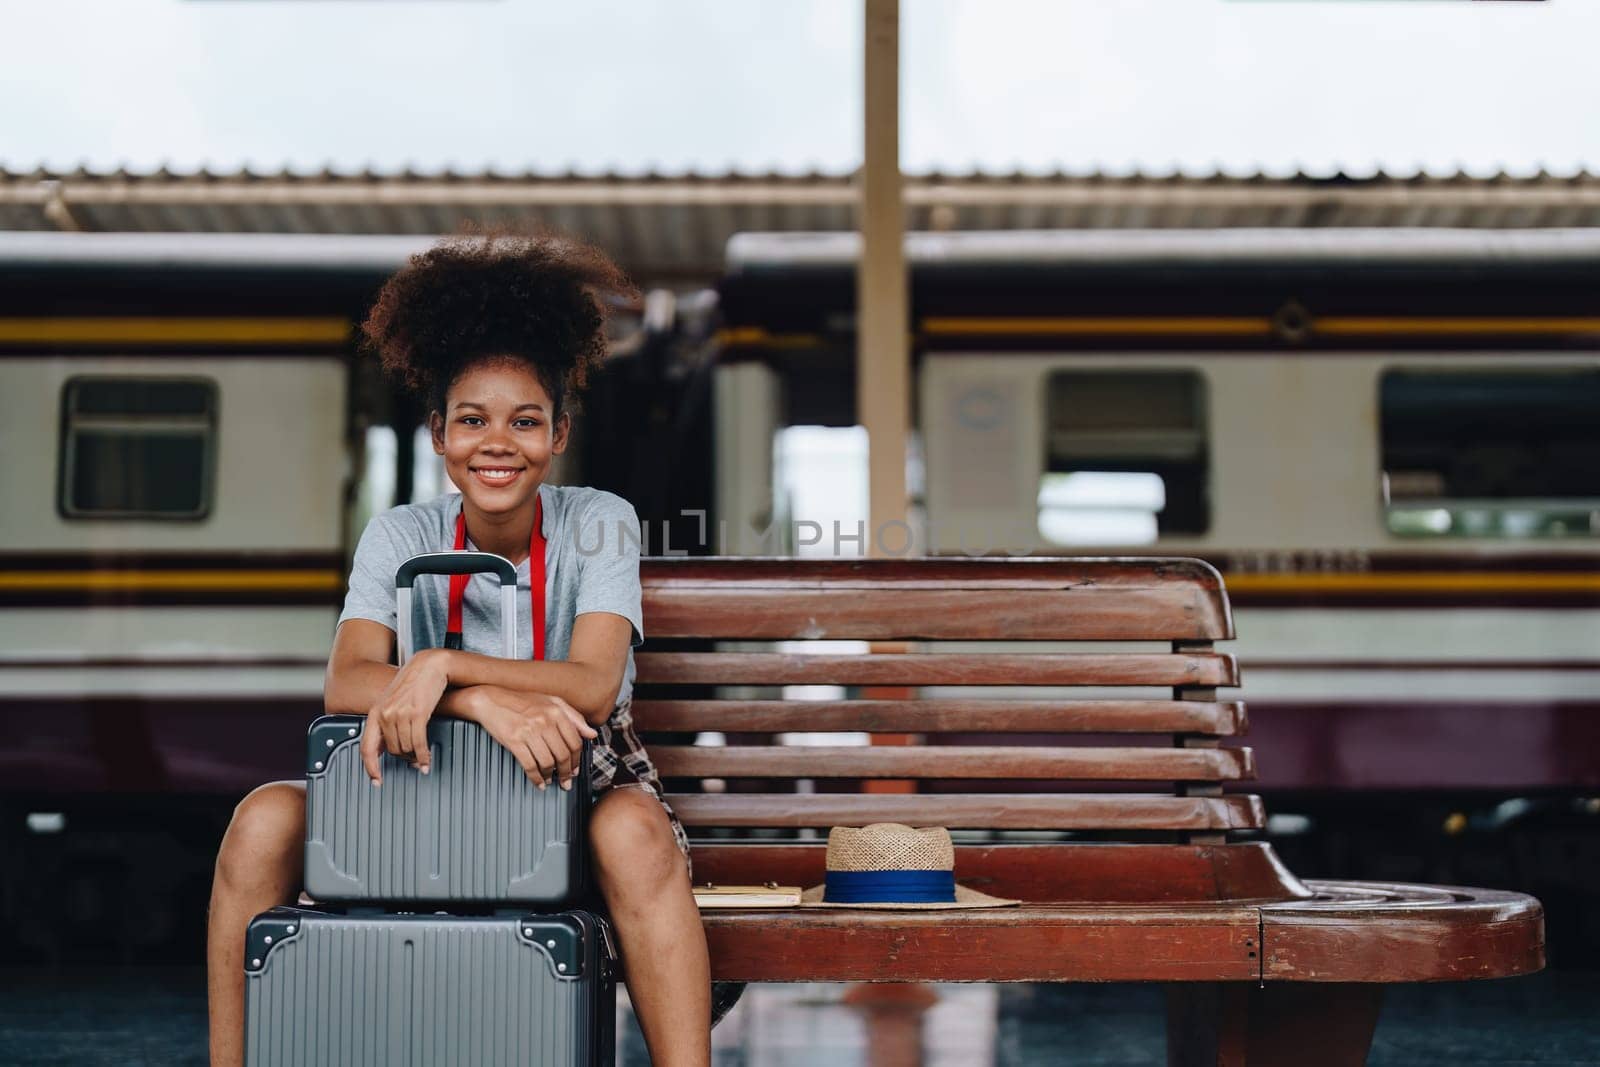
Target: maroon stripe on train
<point>1292,563</point>
<point>1581,562</point>
<point>1577,599</point>
<point>1420,665</point>
<point>277,663</point>
<point>1225,560</point>
<point>227,745</point>
<point>1397,665</point>
<point>1585,560</point>
<point>1443,599</point>
<point>176,663</point>
<point>158,744</point>
<point>1502,745</point>
<point>1167,346</point>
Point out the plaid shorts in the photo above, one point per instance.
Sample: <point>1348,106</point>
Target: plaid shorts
<point>618,760</point>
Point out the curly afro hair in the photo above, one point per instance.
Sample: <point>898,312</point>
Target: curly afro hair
<point>537,299</point>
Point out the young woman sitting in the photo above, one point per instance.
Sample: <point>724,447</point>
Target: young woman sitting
<point>495,336</point>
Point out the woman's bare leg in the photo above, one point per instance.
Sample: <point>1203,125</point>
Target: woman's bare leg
<point>646,885</point>
<point>258,867</point>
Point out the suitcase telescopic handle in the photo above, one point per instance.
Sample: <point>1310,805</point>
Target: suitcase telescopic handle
<point>455,563</point>
<point>459,562</point>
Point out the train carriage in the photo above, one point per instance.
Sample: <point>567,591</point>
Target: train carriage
<point>1387,441</point>
<point>179,450</point>
<point>181,455</point>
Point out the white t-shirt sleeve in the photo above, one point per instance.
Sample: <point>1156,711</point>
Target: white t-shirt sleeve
<point>607,539</point>
<point>371,591</point>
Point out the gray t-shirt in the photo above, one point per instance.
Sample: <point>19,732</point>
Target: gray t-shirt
<point>591,564</point>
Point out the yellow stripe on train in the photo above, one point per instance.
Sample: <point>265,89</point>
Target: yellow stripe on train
<point>198,330</point>
<point>317,581</point>
<point>1239,326</point>
<point>1415,581</point>
<point>1235,327</point>
<point>1195,325</point>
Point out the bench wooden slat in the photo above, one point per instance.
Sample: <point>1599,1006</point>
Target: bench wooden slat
<point>968,761</point>
<point>1077,872</point>
<point>1032,943</point>
<point>919,669</point>
<point>1167,614</point>
<point>973,811</point>
<point>935,572</point>
<point>1220,718</point>
<point>1105,599</point>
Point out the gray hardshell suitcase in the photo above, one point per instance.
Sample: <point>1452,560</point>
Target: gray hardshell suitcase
<point>474,829</point>
<point>371,990</point>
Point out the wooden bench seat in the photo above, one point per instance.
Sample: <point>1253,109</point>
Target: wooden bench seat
<point>1092,684</point>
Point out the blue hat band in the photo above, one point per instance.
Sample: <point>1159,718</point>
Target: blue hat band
<point>889,887</point>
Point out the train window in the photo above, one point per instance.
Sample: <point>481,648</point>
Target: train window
<point>1511,453</point>
<point>137,448</point>
<point>820,479</point>
<point>1127,458</point>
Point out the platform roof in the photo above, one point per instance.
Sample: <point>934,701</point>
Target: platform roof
<point>667,227</point>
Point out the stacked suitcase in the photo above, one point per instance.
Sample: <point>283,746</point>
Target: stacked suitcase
<point>447,929</point>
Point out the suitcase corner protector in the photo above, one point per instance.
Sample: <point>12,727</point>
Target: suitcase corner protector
<point>561,941</point>
<point>265,933</point>
<point>327,734</point>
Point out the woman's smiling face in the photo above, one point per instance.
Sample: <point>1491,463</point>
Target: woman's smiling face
<point>498,434</point>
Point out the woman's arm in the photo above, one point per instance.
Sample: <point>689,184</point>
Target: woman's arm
<point>542,730</point>
<point>359,675</point>
<point>588,679</point>
<point>359,672</point>
<point>358,667</point>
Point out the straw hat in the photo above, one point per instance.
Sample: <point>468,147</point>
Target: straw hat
<point>888,865</point>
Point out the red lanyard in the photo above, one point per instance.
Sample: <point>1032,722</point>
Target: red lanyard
<point>458,582</point>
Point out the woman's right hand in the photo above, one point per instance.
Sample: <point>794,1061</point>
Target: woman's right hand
<point>543,733</point>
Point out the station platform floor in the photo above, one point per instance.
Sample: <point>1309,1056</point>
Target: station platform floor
<point>155,1017</point>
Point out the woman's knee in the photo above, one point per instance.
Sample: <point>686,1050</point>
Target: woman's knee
<point>629,833</point>
<point>266,834</point>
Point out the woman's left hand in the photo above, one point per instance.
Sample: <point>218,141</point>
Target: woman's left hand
<point>398,721</point>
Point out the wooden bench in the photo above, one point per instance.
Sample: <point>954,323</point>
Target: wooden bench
<point>1141,879</point>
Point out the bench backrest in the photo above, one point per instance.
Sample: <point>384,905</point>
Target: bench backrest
<point>1052,730</point>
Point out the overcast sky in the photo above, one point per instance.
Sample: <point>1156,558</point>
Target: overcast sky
<point>709,85</point>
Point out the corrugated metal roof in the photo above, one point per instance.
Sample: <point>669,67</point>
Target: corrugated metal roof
<point>675,226</point>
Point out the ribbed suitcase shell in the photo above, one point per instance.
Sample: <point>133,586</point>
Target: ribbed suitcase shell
<point>331,990</point>
<point>474,829</point>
